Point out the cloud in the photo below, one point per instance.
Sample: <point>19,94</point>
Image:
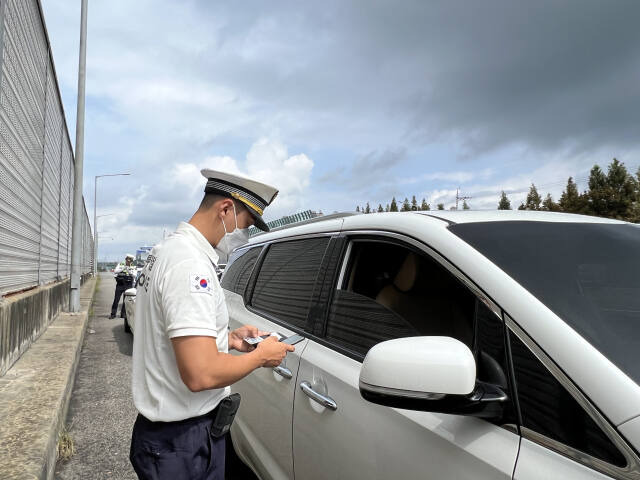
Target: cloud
<point>428,96</point>
<point>370,169</point>
<point>176,191</point>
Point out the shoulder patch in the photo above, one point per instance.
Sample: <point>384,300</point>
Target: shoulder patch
<point>200,283</point>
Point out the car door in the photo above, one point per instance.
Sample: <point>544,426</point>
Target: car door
<point>386,289</point>
<point>275,298</point>
<point>564,436</point>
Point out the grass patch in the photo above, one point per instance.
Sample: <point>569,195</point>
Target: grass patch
<point>66,447</point>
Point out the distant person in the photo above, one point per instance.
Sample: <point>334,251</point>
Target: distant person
<point>181,363</point>
<point>125,274</point>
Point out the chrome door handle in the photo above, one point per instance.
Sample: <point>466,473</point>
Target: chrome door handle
<point>318,397</point>
<point>283,372</point>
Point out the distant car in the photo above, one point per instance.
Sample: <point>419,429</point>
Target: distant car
<point>443,345</point>
<point>130,310</point>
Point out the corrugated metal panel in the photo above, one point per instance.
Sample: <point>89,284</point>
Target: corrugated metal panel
<point>22,97</point>
<point>51,186</point>
<point>64,217</point>
<point>36,158</point>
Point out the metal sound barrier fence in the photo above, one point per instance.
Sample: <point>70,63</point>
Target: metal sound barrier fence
<point>36,158</point>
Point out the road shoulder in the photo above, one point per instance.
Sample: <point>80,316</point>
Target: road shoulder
<point>35,392</point>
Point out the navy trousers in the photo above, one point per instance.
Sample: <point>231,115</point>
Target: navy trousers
<point>120,289</point>
<point>177,450</point>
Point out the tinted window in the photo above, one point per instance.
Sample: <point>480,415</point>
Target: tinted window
<point>287,278</point>
<point>548,409</point>
<point>492,362</point>
<point>586,273</point>
<point>239,269</point>
<point>389,291</point>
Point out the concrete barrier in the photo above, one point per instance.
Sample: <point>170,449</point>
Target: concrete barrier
<point>24,316</point>
<point>35,392</point>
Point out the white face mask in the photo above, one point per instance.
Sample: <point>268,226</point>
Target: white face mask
<point>230,241</point>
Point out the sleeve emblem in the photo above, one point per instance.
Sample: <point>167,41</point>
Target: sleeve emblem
<point>200,283</point>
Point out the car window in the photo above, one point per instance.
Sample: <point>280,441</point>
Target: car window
<point>586,273</point>
<point>492,361</point>
<point>390,291</point>
<point>238,270</point>
<point>287,278</point>
<point>548,409</point>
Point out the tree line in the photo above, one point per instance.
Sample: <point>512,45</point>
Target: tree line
<point>407,206</point>
<point>614,194</point>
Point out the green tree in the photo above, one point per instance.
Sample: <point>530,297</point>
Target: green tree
<point>405,206</point>
<point>380,209</point>
<point>634,212</point>
<point>465,206</point>
<point>414,203</point>
<point>387,208</point>
<point>394,205</point>
<point>549,205</point>
<point>622,191</point>
<point>598,194</point>
<point>367,209</point>
<point>533,200</point>
<point>570,200</point>
<point>441,206</point>
<point>504,203</point>
<point>425,206</point>
<point>357,208</point>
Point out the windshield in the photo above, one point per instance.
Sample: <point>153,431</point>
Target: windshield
<point>587,274</point>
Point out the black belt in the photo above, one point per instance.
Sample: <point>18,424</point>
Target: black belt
<point>187,421</point>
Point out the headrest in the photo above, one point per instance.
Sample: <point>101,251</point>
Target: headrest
<point>406,276</point>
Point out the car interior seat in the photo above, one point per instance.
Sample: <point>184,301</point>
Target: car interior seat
<point>427,299</point>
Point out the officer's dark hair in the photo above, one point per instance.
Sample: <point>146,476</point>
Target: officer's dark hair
<point>210,198</point>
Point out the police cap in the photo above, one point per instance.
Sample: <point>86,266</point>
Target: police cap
<point>256,196</point>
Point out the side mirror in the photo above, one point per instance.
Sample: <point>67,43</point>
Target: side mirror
<point>432,374</point>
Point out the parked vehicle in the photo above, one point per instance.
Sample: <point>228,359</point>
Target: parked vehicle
<point>129,299</point>
<point>129,309</point>
<point>442,345</point>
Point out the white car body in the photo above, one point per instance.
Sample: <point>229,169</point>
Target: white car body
<point>129,299</point>
<point>280,432</point>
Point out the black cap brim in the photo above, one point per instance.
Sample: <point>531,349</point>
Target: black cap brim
<point>259,221</point>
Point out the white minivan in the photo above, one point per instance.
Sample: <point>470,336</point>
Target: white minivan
<point>443,345</point>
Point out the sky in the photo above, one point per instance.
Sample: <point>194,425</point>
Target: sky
<point>341,103</point>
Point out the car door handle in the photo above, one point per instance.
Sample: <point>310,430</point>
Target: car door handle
<point>283,372</point>
<point>318,397</point>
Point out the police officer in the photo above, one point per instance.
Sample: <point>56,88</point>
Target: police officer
<point>181,366</point>
<point>125,274</point>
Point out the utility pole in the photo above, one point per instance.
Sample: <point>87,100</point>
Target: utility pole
<point>458,197</point>
<point>76,242</point>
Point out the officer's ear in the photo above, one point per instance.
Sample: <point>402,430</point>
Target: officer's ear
<point>225,206</point>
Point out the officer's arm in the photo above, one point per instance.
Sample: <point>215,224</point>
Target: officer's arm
<point>189,305</point>
<point>203,367</point>
<point>118,268</point>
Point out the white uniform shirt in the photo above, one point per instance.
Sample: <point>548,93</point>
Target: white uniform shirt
<point>178,295</point>
<point>129,270</point>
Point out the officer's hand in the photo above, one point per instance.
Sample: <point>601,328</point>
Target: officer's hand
<point>272,352</point>
<point>237,336</point>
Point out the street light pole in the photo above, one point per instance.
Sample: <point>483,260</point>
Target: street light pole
<point>76,240</point>
<point>95,217</point>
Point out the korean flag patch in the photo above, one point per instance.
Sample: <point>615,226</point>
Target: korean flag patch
<point>200,283</point>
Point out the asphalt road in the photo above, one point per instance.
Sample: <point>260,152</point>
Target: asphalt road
<point>101,412</point>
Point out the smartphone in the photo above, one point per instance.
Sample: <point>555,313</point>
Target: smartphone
<point>256,340</point>
<point>293,339</point>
